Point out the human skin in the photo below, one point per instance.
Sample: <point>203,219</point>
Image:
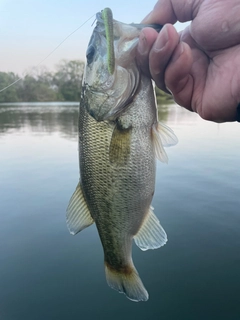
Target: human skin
<point>200,66</point>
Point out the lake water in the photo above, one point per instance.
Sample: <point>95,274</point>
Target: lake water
<point>45,273</point>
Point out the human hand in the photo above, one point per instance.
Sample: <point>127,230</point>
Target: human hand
<point>200,66</point>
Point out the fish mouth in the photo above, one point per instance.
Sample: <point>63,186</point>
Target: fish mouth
<point>99,17</point>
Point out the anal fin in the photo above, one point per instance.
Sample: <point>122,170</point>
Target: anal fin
<point>151,234</point>
<point>78,216</point>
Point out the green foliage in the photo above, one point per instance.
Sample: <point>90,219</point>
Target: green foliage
<point>32,89</point>
<point>41,85</point>
<point>68,79</point>
<point>11,94</point>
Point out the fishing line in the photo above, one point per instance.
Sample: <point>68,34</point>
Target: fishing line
<point>10,85</point>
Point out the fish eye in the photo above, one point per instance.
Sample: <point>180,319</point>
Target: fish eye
<point>90,54</point>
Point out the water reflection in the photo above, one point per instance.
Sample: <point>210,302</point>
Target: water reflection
<point>48,274</point>
<point>40,118</point>
<point>62,117</point>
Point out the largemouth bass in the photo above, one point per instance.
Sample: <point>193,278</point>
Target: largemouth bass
<point>119,140</point>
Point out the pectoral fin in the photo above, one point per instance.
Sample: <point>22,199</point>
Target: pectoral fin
<point>163,136</point>
<point>78,215</point>
<point>119,150</point>
<point>151,234</point>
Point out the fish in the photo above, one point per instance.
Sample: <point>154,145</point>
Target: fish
<point>120,139</point>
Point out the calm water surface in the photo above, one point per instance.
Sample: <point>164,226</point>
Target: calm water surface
<point>45,273</point>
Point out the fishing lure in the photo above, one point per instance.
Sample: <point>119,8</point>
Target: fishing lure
<point>108,23</point>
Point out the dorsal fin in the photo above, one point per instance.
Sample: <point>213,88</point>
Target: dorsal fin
<point>168,137</point>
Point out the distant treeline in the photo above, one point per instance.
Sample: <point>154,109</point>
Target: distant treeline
<point>41,85</point>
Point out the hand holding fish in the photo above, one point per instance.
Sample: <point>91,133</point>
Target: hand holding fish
<point>201,64</point>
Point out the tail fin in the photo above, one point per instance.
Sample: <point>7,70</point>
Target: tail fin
<point>126,282</point>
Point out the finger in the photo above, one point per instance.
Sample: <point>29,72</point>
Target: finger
<point>169,11</point>
<point>178,78</point>
<point>146,40</point>
<point>161,53</point>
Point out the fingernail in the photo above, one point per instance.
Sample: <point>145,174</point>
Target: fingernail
<point>142,44</point>
<point>161,41</point>
<point>178,52</point>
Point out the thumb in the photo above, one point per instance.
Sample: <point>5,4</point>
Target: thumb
<point>170,11</point>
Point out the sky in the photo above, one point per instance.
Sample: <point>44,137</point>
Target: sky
<point>31,29</point>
